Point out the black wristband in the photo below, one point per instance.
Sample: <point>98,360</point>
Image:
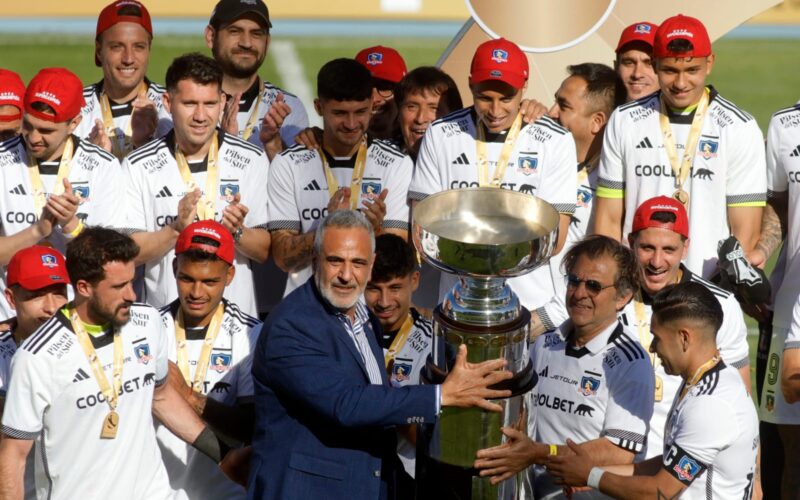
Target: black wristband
<point>209,444</point>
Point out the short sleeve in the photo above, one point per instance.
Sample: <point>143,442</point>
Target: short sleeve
<point>427,178</point>
<point>30,393</point>
<point>244,369</point>
<point>108,187</point>
<point>777,180</point>
<point>746,178</point>
<point>398,178</point>
<point>254,188</point>
<point>611,172</point>
<point>561,178</point>
<point>630,404</point>
<point>281,201</point>
<point>732,335</point>
<point>133,216</point>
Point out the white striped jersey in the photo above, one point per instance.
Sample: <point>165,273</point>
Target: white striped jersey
<point>731,341</point>
<point>191,473</point>
<point>728,169</point>
<point>156,187</point>
<point>602,390</point>
<point>121,112</point>
<point>54,399</point>
<point>95,177</point>
<point>294,123</point>
<point>711,437</point>
<point>298,189</point>
<point>542,163</point>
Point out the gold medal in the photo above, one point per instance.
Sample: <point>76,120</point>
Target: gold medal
<point>682,196</point>
<point>659,394</point>
<point>110,425</point>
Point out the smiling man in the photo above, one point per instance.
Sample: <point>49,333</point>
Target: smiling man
<point>634,62</point>
<point>387,68</point>
<point>489,145</point>
<point>688,142</point>
<point>659,240</point>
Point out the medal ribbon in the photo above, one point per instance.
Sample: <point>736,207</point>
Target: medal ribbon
<point>110,394</point>
<point>121,144</point>
<point>251,121</point>
<point>39,194</point>
<point>399,341</point>
<point>358,174</point>
<point>698,374</point>
<point>681,169</point>
<point>205,353</point>
<point>505,154</point>
<point>206,207</point>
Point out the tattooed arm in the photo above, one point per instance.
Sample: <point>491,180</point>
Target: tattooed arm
<point>774,224</point>
<point>292,250</point>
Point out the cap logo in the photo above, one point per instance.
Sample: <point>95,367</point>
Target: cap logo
<point>9,96</point>
<point>248,2</point>
<point>495,73</point>
<point>49,260</point>
<point>682,32</point>
<point>48,96</point>
<point>642,28</point>
<point>664,207</point>
<point>499,56</point>
<point>374,58</point>
<point>208,231</point>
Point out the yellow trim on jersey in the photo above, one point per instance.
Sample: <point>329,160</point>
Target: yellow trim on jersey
<point>749,204</point>
<point>606,192</point>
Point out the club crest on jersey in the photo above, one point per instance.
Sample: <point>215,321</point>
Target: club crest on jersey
<point>374,58</point>
<point>370,190</point>
<point>584,197</point>
<point>708,149</point>
<point>686,469</point>
<point>142,352</point>
<point>527,165</point>
<point>589,386</point>
<point>228,191</point>
<point>49,261</point>
<point>220,362</point>
<point>642,28</point>
<point>82,193</point>
<point>401,372</point>
<point>499,56</point>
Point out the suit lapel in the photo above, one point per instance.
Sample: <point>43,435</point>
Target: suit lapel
<point>372,331</point>
<point>349,343</point>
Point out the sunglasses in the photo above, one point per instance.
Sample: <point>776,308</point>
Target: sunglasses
<point>593,287</point>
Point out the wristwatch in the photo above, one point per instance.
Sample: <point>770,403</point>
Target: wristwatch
<point>237,234</point>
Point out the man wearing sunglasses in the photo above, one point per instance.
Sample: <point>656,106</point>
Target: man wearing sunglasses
<point>659,240</point>
<point>595,381</point>
<point>387,68</point>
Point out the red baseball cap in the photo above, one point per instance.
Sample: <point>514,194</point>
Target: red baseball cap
<point>383,63</point>
<point>500,60</point>
<point>12,93</point>
<point>36,267</point>
<point>60,89</point>
<point>682,27</point>
<point>122,11</point>
<point>643,218</point>
<point>212,230</point>
<point>637,32</point>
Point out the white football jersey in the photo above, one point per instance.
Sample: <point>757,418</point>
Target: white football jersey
<point>294,123</point>
<point>542,163</point>
<point>711,437</point>
<point>95,176</point>
<point>604,389</point>
<point>731,341</point>
<point>728,170</point>
<point>121,112</point>
<point>55,400</point>
<point>8,346</point>
<point>155,188</point>
<point>192,474</point>
<point>298,189</point>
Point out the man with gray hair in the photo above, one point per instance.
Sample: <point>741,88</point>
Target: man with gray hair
<point>324,409</point>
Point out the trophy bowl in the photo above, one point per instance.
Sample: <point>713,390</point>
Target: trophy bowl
<point>484,232</point>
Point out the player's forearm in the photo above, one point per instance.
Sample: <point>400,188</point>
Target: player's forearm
<point>745,223</point>
<point>604,452</point>
<point>154,245</point>
<point>636,487</point>
<point>608,214</point>
<point>235,421</point>
<point>790,376</point>
<point>9,245</point>
<point>744,372</point>
<point>176,414</point>
<point>292,252</point>
<point>773,228</point>
<point>254,244</point>
<point>273,147</point>
<point>12,470</point>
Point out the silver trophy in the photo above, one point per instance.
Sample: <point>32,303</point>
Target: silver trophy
<point>483,235</point>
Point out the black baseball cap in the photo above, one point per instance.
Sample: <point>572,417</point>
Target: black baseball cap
<point>227,11</point>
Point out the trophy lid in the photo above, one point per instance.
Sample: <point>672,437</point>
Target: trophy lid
<point>484,232</point>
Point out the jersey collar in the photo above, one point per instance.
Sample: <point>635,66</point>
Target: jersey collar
<point>595,345</point>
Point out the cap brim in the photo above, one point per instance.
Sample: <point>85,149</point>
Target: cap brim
<point>513,79</point>
<point>33,283</point>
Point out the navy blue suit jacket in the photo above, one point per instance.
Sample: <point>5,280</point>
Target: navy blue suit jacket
<point>322,430</point>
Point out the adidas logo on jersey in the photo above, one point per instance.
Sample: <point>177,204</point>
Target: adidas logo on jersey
<point>80,375</point>
<point>164,193</point>
<point>796,152</point>
<point>313,186</point>
<point>20,189</point>
<point>645,144</point>
<point>544,373</point>
<point>461,160</point>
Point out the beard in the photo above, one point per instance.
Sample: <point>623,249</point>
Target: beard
<point>109,315</point>
<point>229,67</point>
<point>342,304</point>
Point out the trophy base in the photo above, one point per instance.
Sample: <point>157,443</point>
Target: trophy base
<point>441,481</point>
